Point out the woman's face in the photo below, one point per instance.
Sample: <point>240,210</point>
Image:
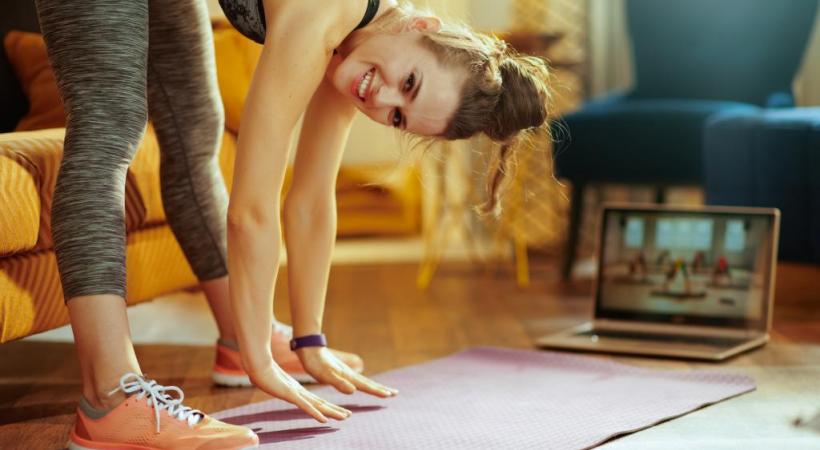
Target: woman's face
<point>397,81</point>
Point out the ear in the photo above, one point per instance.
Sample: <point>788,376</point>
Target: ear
<point>426,23</point>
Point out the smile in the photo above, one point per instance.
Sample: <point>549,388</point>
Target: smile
<point>363,86</point>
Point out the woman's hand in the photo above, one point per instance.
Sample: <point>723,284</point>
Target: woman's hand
<point>276,382</point>
<point>326,368</point>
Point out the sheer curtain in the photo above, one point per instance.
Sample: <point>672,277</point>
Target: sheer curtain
<point>610,65</point>
<point>807,85</point>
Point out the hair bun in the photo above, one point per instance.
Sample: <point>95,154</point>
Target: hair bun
<point>522,103</point>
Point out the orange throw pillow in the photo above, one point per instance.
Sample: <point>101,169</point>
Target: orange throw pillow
<point>27,55</point>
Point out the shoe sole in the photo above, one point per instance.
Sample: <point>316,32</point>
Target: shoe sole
<point>222,379</point>
<point>75,446</point>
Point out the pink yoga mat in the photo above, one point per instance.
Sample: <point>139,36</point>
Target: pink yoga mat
<point>489,398</point>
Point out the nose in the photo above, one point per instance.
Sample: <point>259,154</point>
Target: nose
<point>388,97</point>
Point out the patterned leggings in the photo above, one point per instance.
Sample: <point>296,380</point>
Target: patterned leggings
<point>117,62</point>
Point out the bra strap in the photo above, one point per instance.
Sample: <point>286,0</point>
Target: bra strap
<point>369,14</point>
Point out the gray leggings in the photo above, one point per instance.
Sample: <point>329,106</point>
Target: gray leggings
<point>118,62</point>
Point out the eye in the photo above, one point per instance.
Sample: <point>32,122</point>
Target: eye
<point>397,118</point>
<point>410,83</point>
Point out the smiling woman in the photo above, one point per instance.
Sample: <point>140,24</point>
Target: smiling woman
<point>438,79</point>
<point>401,67</point>
<point>397,80</point>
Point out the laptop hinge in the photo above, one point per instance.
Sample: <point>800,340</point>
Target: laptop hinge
<point>673,329</point>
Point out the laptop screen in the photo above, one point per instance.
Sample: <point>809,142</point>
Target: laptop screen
<point>686,267</point>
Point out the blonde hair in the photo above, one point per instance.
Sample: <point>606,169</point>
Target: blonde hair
<point>506,95</point>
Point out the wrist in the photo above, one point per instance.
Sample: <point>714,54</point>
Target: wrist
<point>260,370</point>
<point>305,329</point>
<point>306,324</point>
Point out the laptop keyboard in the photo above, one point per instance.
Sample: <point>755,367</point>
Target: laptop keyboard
<point>666,338</point>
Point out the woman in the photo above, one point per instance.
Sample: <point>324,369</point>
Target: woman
<point>402,69</point>
<point>153,57</point>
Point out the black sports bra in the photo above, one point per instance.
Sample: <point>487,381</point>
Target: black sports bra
<point>248,16</point>
<point>369,14</point>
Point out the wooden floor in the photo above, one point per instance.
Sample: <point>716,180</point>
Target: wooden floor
<point>377,312</point>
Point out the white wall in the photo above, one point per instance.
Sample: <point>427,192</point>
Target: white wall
<point>807,85</point>
<point>490,14</point>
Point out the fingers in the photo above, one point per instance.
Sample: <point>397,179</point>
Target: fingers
<point>316,407</point>
<point>328,408</point>
<point>306,405</point>
<point>369,386</point>
<point>341,384</point>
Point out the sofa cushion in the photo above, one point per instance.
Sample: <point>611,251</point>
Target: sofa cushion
<point>19,203</point>
<point>42,152</point>
<point>31,300</point>
<point>236,58</point>
<point>27,55</point>
<point>619,139</point>
<point>770,159</point>
<point>378,199</point>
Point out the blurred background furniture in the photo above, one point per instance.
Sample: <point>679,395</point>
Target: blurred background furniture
<point>691,60</point>
<point>769,158</point>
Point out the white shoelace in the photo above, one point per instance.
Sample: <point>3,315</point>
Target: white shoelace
<point>158,398</point>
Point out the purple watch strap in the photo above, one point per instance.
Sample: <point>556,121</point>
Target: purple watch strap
<point>311,340</point>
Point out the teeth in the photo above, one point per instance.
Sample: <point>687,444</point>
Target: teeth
<point>365,83</point>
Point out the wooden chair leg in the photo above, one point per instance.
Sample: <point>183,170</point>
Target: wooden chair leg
<point>660,195</point>
<point>522,263</point>
<point>576,207</point>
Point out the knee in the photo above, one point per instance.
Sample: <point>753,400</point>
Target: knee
<point>106,127</point>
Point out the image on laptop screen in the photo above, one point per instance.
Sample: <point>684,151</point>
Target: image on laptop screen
<point>701,268</point>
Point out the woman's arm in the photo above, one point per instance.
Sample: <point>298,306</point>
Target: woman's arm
<point>310,207</point>
<point>310,232</point>
<point>290,69</point>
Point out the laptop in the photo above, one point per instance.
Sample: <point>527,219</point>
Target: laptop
<point>680,282</point>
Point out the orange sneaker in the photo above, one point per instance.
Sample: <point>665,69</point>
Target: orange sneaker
<point>150,419</point>
<point>228,366</point>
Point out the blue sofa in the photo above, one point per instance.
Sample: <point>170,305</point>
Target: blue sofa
<point>692,59</point>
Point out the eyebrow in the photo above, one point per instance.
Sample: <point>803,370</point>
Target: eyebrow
<point>413,95</point>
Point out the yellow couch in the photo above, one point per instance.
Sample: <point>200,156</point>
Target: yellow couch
<point>30,294</point>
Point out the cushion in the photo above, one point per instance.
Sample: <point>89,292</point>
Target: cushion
<point>378,200</point>
<point>770,159</point>
<point>18,193</point>
<point>27,55</point>
<point>42,152</point>
<point>236,58</point>
<point>31,299</point>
